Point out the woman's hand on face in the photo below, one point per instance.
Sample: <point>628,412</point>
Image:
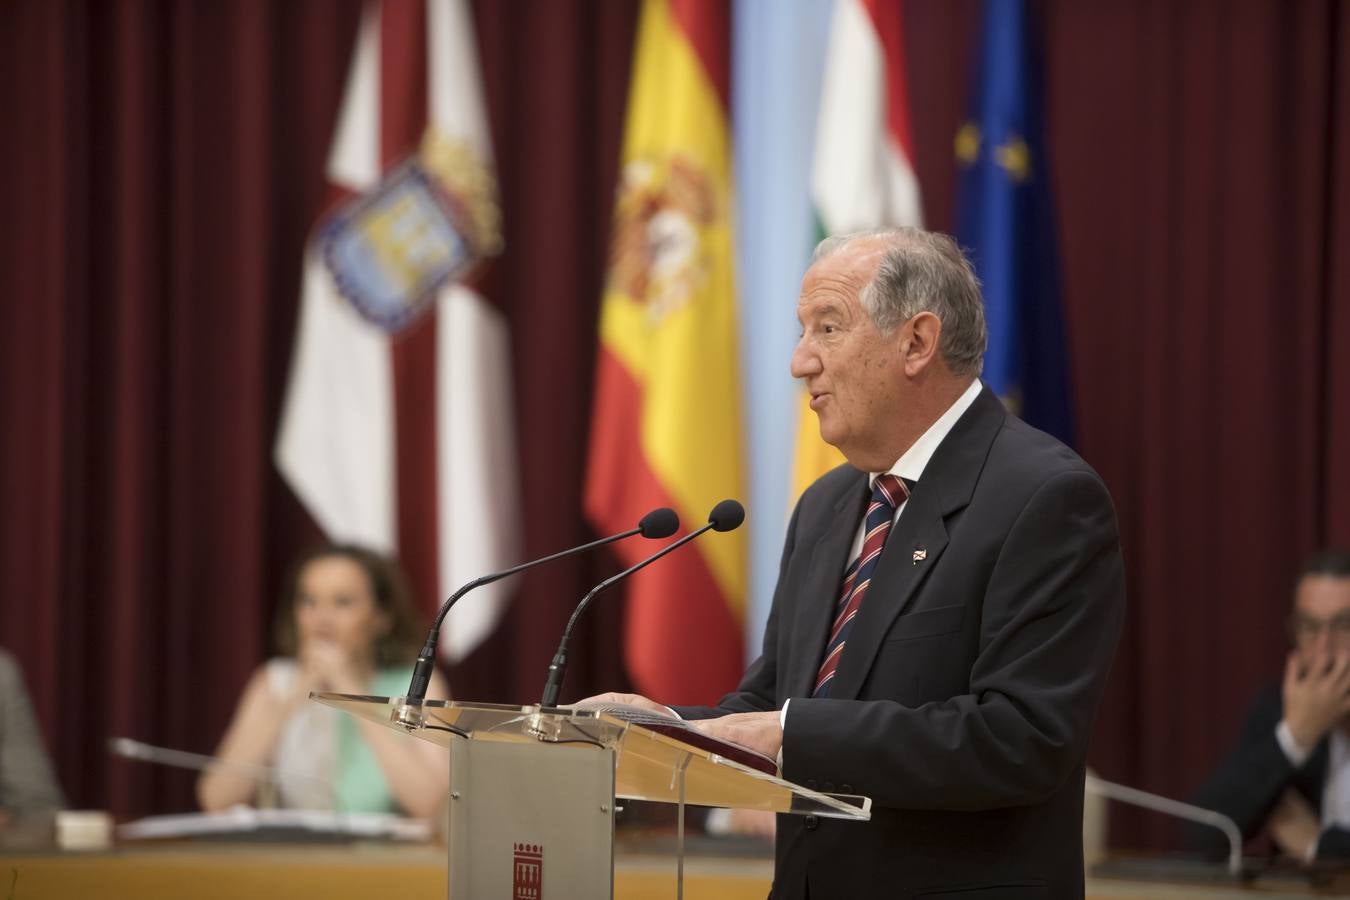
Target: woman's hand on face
<point>328,666</point>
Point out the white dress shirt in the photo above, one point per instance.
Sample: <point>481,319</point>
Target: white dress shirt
<point>1336,788</point>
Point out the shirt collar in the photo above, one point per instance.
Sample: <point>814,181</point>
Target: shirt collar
<point>913,461</point>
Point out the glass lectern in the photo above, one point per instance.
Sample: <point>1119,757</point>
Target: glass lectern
<point>532,789</point>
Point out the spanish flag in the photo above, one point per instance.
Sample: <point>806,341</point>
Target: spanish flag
<point>666,421</point>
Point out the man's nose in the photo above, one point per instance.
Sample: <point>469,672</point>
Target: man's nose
<point>805,362</point>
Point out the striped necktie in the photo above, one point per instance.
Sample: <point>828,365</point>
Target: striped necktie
<point>887,494</point>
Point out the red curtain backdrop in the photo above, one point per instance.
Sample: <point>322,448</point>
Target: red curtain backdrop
<point>556,78</point>
<point>1210,340</point>
<point>160,163</point>
<point>163,162</point>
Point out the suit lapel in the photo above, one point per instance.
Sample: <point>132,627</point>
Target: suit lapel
<point>824,576</point>
<point>894,582</point>
<point>945,488</point>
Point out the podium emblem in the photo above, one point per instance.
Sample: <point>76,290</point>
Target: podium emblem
<point>527,879</point>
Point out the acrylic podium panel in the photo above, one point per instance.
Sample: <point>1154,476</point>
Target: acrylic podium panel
<point>532,790</point>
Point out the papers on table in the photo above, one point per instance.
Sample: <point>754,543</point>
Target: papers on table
<point>245,821</point>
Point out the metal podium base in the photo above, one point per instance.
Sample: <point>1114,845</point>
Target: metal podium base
<point>531,821</point>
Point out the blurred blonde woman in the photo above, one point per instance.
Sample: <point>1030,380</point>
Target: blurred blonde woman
<point>345,624</point>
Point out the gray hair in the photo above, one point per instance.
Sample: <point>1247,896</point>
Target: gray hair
<point>923,271</point>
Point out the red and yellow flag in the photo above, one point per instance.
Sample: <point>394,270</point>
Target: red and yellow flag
<point>666,421</point>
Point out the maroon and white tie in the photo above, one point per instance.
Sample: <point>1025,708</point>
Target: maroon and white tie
<point>887,494</point>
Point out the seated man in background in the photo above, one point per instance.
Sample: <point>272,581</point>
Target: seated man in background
<point>1289,774</point>
<point>27,785</point>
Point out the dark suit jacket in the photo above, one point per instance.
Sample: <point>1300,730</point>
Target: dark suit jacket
<point>965,696</point>
<point>1248,783</point>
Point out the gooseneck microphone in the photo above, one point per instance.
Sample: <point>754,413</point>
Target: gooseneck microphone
<point>725,516</point>
<point>659,523</point>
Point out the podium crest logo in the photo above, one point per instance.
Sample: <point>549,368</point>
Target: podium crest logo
<point>527,879</point>
<point>430,220</point>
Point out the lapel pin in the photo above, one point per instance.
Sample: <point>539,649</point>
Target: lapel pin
<point>920,555</point>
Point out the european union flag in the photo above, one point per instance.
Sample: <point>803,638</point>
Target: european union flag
<point>1005,221</point>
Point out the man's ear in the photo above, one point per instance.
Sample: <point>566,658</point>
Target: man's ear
<point>919,342</point>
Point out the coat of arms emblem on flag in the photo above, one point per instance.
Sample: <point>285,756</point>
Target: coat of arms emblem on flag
<point>431,219</point>
<point>659,255</point>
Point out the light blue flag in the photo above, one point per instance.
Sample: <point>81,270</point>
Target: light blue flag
<point>778,56</point>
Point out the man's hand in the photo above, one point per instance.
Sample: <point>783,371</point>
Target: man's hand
<point>752,821</point>
<point>1316,696</point>
<point>760,731</point>
<point>1293,826</point>
<point>618,699</point>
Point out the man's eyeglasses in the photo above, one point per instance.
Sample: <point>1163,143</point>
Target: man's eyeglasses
<point>1305,629</point>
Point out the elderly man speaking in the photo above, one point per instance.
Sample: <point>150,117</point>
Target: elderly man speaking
<point>947,606</point>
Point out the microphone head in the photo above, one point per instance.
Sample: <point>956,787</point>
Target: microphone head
<point>727,515</point>
<point>659,523</point>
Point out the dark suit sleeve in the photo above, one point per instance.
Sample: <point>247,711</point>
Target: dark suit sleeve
<point>1249,781</point>
<point>757,691</point>
<point>1050,619</point>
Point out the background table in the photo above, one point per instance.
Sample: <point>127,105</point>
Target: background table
<point>228,871</point>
